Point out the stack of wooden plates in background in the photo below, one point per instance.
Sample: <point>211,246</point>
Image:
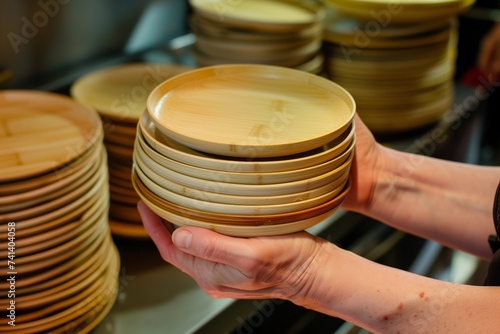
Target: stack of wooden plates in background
<point>282,33</point>
<point>400,74</point>
<point>54,200</point>
<point>119,95</point>
<point>400,82</point>
<point>245,150</point>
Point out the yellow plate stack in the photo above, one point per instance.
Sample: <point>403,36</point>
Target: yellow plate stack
<point>397,59</point>
<point>60,263</point>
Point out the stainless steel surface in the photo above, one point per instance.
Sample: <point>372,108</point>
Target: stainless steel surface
<point>40,38</point>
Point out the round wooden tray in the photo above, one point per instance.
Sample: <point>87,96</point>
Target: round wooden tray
<point>251,111</point>
<point>41,132</point>
<point>120,92</point>
<point>260,15</point>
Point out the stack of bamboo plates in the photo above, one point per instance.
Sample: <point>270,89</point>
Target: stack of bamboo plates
<point>245,150</point>
<point>401,76</point>
<point>119,95</point>
<point>59,261</point>
<point>283,33</point>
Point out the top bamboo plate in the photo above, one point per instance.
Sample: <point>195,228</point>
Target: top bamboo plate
<point>41,132</point>
<point>260,15</point>
<point>251,111</point>
<point>120,92</point>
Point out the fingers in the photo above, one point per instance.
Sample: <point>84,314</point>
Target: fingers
<point>161,234</point>
<point>212,246</point>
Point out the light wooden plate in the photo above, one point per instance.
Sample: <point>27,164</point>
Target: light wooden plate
<point>251,110</point>
<point>93,180</point>
<point>40,132</point>
<point>235,219</point>
<point>50,191</point>
<point>212,195</point>
<point>407,11</point>
<point>201,26</point>
<point>170,148</point>
<point>150,156</point>
<point>241,230</point>
<point>47,179</point>
<point>120,92</point>
<point>260,15</point>
<point>216,202</point>
<point>243,189</point>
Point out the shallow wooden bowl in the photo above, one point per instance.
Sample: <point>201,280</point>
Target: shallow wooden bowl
<point>176,151</point>
<point>251,111</point>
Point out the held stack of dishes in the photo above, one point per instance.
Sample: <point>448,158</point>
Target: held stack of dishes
<point>245,150</point>
<point>119,95</point>
<point>397,59</point>
<point>280,32</point>
<point>59,260</point>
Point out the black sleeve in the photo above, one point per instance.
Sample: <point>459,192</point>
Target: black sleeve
<point>493,278</point>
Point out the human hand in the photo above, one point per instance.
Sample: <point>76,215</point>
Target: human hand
<point>228,267</point>
<point>489,54</point>
<point>364,168</point>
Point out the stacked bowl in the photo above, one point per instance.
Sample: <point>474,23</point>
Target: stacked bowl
<point>59,261</point>
<point>397,63</point>
<point>250,32</point>
<point>245,150</point>
<point>119,94</point>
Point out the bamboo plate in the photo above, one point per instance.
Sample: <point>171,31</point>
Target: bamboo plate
<point>102,292</point>
<point>31,184</point>
<point>88,183</point>
<point>241,230</point>
<point>52,238</point>
<point>226,204</point>
<point>406,11</point>
<point>243,189</point>
<point>212,195</point>
<point>236,209</point>
<point>51,274</point>
<point>279,111</point>
<point>241,50</point>
<point>41,132</point>
<point>170,148</point>
<point>342,25</point>
<point>235,219</point>
<point>47,193</point>
<point>260,15</point>
<point>202,26</point>
<point>120,92</point>
<point>150,156</point>
<point>392,43</point>
<point>82,267</point>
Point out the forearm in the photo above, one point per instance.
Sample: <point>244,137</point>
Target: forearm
<point>387,300</point>
<point>440,200</point>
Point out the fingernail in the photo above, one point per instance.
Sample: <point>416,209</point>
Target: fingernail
<point>182,238</point>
